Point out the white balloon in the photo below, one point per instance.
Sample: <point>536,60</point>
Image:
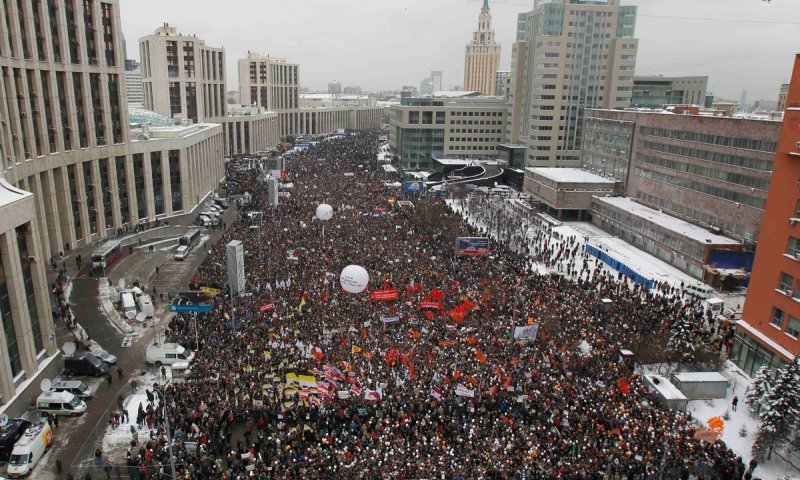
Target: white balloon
<point>324,212</point>
<point>354,278</point>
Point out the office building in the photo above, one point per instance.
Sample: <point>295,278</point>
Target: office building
<point>502,79</point>
<point>769,331</point>
<point>782,94</point>
<point>134,88</point>
<point>72,173</point>
<point>352,90</point>
<point>446,125</point>
<point>183,77</point>
<point>425,87</point>
<point>658,91</point>
<point>436,81</point>
<point>708,170</point>
<point>574,55</point>
<point>327,100</point>
<point>274,84</point>
<point>482,56</point>
<point>335,87</point>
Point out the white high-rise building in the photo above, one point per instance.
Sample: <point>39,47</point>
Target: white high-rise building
<point>570,55</point>
<point>134,87</point>
<point>482,56</point>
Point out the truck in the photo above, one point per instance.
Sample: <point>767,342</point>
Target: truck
<point>29,449</point>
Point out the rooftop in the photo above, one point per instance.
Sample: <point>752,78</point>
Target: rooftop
<point>573,175</point>
<point>10,194</point>
<point>674,224</point>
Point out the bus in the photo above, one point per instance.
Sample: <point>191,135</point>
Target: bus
<point>106,254</point>
<point>190,239</point>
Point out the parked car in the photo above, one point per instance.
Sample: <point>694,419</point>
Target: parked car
<point>85,364</point>
<point>75,387</point>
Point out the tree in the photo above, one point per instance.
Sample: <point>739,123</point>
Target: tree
<point>760,386</point>
<point>781,408</point>
<point>682,339</point>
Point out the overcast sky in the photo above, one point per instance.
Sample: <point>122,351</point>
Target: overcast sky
<point>384,44</point>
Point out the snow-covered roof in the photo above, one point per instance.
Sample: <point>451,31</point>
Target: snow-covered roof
<point>665,388</point>
<point>700,377</point>
<point>330,96</point>
<point>765,339</point>
<point>457,94</point>
<point>574,175</point>
<point>669,222</point>
<point>10,194</point>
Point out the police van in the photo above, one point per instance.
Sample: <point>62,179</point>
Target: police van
<point>29,449</point>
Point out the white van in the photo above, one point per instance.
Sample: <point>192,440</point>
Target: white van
<point>700,290</point>
<point>146,306</point>
<point>128,305</point>
<point>29,449</point>
<point>181,252</point>
<point>75,387</point>
<point>167,354</point>
<point>60,403</point>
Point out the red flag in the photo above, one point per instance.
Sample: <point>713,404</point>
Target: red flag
<point>623,386</point>
<point>437,294</point>
<point>480,356</point>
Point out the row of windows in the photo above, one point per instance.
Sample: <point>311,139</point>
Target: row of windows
<point>477,122</point>
<point>711,173</point>
<point>476,147</point>
<point>703,187</point>
<point>778,320</point>
<point>735,142</point>
<point>701,216</point>
<point>715,157</point>
<point>475,130</point>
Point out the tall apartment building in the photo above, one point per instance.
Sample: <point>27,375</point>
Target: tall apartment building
<point>335,87</point>
<point>711,171</point>
<point>274,84</point>
<point>482,56</point>
<point>352,90</point>
<point>182,76</point>
<point>769,332</point>
<point>574,55</point>
<point>447,125</point>
<point>72,174</point>
<point>436,81</point>
<point>658,91</point>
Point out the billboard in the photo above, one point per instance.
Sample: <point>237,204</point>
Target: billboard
<point>472,246</point>
<point>415,186</point>
<point>236,278</point>
<point>191,301</point>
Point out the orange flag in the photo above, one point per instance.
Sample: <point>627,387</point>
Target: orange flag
<point>368,355</point>
<point>472,340</point>
<point>363,333</point>
<point>456,375</point>
<point>506,383</point>
<point>318,355</point>
<point>472,379</point>
<point>415,334</point>
<point>623,386</point>
<point>494,390</point>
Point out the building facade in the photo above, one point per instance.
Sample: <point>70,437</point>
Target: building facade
<point>769,332</point>
<point>182,77</point>
<point>452,124</point>
<point>65,138</point>
<point>335,87</point>
<point>782,94</point>
<point>482,56</point>
<point>502,81</point>
<point>134,88</point>
<point>576,55</point>
<point>708,170</point>
<point>658,91</point>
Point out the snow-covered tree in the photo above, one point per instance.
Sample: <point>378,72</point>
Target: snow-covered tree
<point>781,411</point>
<point>761,385</point>
<point>682,339</point>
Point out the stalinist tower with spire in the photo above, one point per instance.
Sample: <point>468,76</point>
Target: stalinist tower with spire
<point>482,59</point>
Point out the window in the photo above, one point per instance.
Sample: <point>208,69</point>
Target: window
<point>794,247</point>
<point>786,283</point>
<point>777,318</point>
<point>793,328</point>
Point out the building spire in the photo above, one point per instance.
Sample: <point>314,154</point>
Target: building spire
<point>485,5</point>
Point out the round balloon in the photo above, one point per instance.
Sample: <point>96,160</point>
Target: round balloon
<point>354,278</point>
<point>324,212</point>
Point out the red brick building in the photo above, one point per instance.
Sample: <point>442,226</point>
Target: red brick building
<point>769,333</point>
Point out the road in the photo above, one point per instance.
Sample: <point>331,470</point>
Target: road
<point>75,438</point>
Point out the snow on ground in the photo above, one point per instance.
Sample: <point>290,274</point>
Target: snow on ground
<point>116,441</point>
<point>703,410</point>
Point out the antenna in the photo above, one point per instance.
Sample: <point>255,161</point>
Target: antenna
<point>68,348</point>
<point>46,384</point>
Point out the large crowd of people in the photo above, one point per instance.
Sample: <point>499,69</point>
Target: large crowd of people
<point>425,378</point>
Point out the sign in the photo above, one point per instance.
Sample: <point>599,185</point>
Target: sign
<point>434,305</point>
<point>236,277</point>
<point>415,186</point>
<point>213,291</point>
<point>472,246</point>
<point>463,391</point>
<point>389,319</point>
<point>387,294</point>
<point>266,307</point>
<point>189,308</point>
<point>526,332</point>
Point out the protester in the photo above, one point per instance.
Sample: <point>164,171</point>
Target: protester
<point>405,391</point>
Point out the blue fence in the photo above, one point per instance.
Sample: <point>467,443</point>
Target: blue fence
<point>619,266</point>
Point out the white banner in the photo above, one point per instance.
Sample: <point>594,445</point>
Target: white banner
<point>463,391</point>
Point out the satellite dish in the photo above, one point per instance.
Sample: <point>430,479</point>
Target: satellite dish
<point>121,283</point>
<point>3,420</point>
<point>68,348</point>
<point>46,384</point>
